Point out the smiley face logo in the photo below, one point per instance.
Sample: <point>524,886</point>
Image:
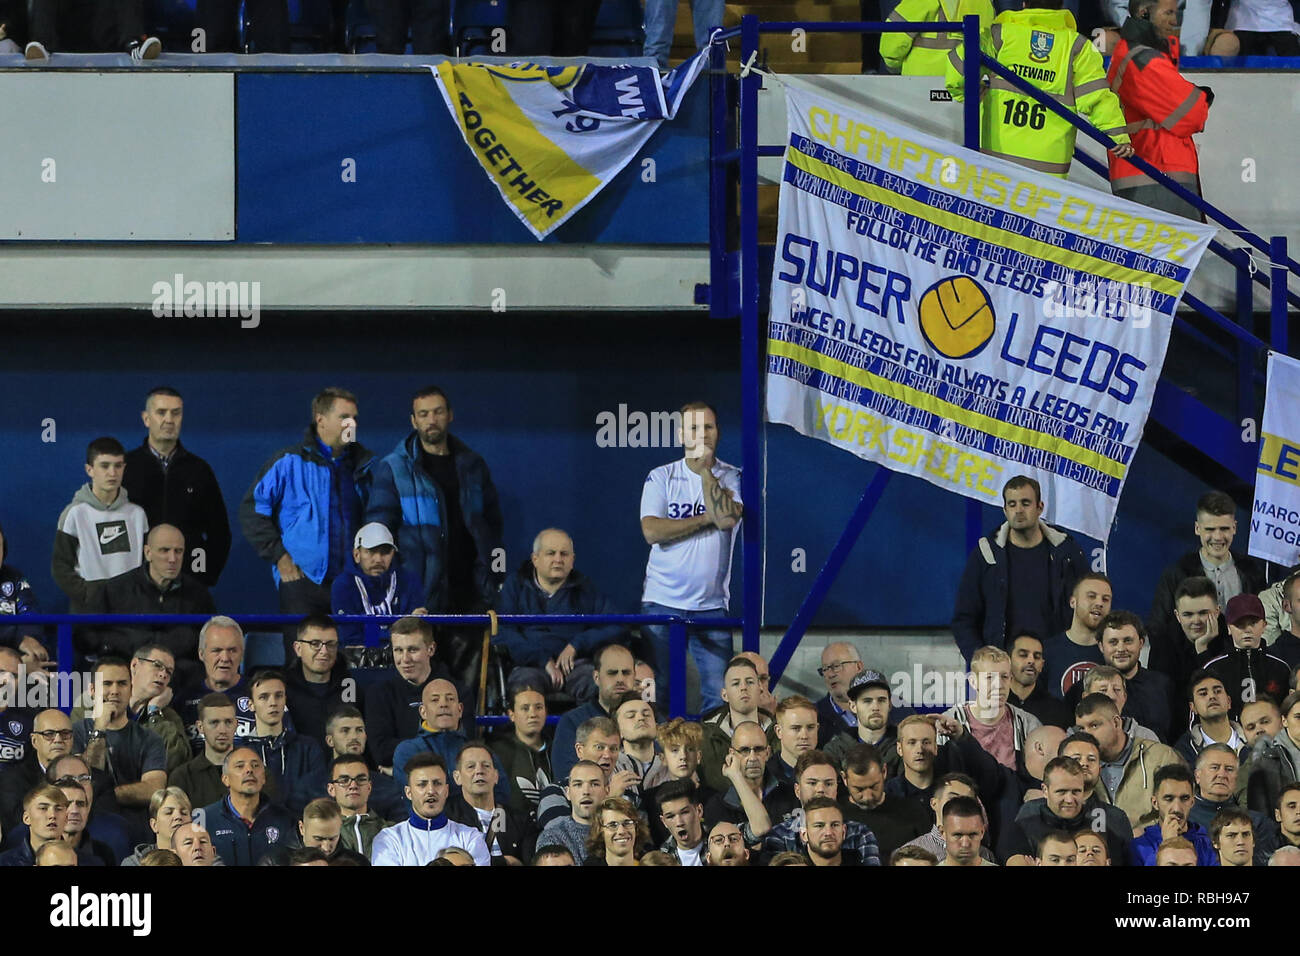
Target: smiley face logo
<point>956,317</point>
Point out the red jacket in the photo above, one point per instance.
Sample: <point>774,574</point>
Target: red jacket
<point>1162,108</point>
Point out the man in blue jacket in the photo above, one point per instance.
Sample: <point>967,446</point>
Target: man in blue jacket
<point>1019,579</point>
<point>557,656</point>
<point>440,713</point>
<point>374,586</point>
<point>1173,798</point>
<point>436,495</point>
<point>297,762</point>
<point>305,505</point>
<point>244,824</point>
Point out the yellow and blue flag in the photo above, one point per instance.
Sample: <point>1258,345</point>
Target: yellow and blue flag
<point>551,137</point>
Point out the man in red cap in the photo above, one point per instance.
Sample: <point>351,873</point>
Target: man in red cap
<point>1247,669</point>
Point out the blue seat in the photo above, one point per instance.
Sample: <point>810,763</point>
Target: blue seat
<point>311,26</point>
<point>472,26</point>
<point>263,649</point>
<point>620,29</point>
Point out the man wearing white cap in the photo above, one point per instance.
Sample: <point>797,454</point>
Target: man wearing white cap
<point>374,585</point>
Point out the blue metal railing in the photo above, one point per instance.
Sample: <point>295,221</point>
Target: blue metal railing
<point>724,300</point>
<point>677,625</point>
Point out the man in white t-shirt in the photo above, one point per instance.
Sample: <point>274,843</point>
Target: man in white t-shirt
<point>689,513</point>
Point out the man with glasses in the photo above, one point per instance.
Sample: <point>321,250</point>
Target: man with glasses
<point>105,826</point>
<point>841,662</point>
<point>749,785</point>
<point>345,736</point>
<point>726,845</point>
<point>741,691</point>
<point>51,738</point>
<point>350,786</point>
<point>152,668</point>
<point>317,682</point>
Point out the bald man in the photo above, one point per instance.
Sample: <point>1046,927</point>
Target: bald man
<point>440,714</point>
<point>1041,745</point>
<point>158,586</point>
<point>554,656</point>
<point>841,662</point>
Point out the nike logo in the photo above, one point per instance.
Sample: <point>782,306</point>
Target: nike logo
<point>109,535</point>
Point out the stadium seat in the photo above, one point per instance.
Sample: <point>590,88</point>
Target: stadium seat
<point>263,649</point>
<point>171,22</point>
<point>311,26</point>
<point>472,23</point>
<point>359,29</point>
<point>620,30</point>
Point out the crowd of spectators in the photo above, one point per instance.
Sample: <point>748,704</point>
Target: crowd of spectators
<point>1092,736</point>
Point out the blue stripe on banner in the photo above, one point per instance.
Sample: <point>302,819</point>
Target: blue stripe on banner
<point>1061,237</point>
<point>964,398</point>
<point>958,436</point>
<point>1160,302</point>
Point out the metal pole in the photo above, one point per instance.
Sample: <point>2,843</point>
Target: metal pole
<point>970,29</point>
<point>751,351</point>
<point>677,668</point>
<point>830,570</point>
<point>1278,331</point>
<point>719,300</point>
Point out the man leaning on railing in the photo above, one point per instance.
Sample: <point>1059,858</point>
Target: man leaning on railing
<point>1163,109</point>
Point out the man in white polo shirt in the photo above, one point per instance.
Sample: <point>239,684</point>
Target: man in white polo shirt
<point>689,513</point>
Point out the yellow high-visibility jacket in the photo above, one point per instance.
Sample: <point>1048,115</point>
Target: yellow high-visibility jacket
<point>926,54</point>
<point>1043,47</point>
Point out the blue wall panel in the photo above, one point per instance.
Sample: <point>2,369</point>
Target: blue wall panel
<point>417,181</point>
<point>526,392</point>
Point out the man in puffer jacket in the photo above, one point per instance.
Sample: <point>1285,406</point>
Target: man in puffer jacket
<point>1163,110</point>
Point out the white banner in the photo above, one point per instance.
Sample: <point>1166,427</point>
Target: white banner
<point>1275,521</point>
<point>963,319</point>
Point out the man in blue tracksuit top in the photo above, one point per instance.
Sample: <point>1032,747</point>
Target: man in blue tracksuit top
<point>297,762</point>
<point>305,505</point>
<point>440,714</point>
<point>374,586</point>
<point>244,824</point>
<point>555,656</point>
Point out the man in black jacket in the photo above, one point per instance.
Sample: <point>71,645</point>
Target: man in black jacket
<point>158,586</point>
<point>176,487</point>
<point>1019,578</point>
<point>317,682</point>
<point>392,708</point>
<point>510,835</point>
<point>1231,572</point>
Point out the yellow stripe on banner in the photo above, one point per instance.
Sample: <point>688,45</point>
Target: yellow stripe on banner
<point>992,234</point>
<point>945,409</point>
<point>535,175</point>
<point>1279,458</point>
